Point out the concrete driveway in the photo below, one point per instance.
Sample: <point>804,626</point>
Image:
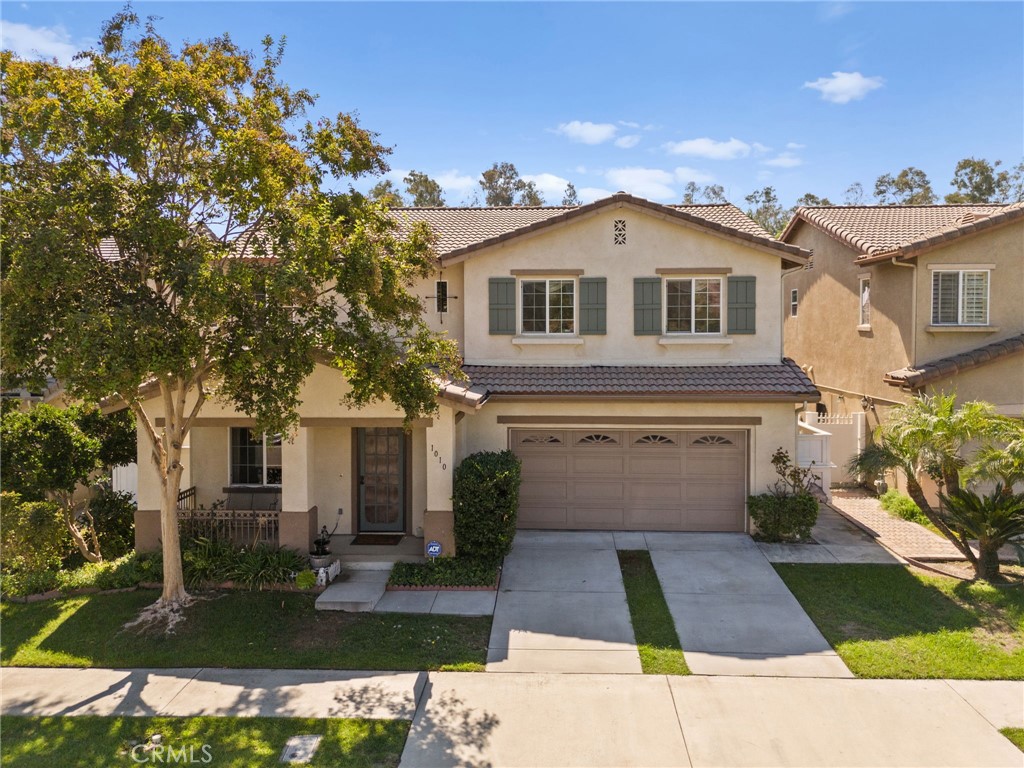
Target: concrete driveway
<point>733,613</point>
<point>561,607</point>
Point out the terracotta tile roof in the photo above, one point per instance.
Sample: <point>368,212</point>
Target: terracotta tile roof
<point>461,231</point>
<point>883,231</point>
<point>950,366</point>
<point>783,381</point>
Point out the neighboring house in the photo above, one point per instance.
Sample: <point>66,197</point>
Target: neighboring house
<point>899,300</point>
<point>630,353</point>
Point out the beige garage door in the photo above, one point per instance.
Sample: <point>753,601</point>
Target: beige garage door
<point>641,480</point>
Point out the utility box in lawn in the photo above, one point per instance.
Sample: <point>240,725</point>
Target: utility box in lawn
<point>439,527</point>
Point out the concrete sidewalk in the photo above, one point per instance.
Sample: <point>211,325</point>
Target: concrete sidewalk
<point>578,720</point>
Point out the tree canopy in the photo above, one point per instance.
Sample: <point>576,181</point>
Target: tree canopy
<point>502,186</point>
<point>978,181</point>
<point>423,191</point>
<point>386,193</point>
<point>570,197</point>
<point>909,187</point>
<point>766,210</point>
<point>169,224</point>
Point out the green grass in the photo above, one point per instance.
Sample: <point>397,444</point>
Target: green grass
<point>445,572</point>
<point>42,742</point>
<point>237,629</point>
<point>656,638</point>
<point>1016,735</point>
<point>891,622</point>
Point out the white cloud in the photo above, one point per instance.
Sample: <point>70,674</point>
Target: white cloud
<point>627,142</point>
<point>629,124</point>
<point>684,174</point>
<point>587,132</point>
<point>844,87</point>
<point>759,148</point>
<point>764,175</point>
<point>456,185</point>
<point>652,183</point>
<point>581,169</point>
<point>590,194</point>
<point>709,148</point>
<point>794,145</point>
<point>783,160</point>
<point>833,11</point>
<point>550,186</point>
<point>28,42</point>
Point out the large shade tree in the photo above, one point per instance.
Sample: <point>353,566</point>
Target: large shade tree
<point>172,229</point>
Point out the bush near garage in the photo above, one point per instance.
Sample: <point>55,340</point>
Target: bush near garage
<point>788,511</point>
<point>486,503</point>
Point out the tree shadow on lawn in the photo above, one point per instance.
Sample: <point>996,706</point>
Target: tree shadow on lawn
<point>881,602</point>
<point>22,622</point>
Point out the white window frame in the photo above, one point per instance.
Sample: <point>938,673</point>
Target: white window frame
<point>863,318</point>
<point>794,301</point>
<point>521,306</point>
<point>722,303</point>
<point>231,466</point>
<point>960,273</point>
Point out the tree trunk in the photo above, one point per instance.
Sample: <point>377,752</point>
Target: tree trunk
<point>174,577</point>
<point>987,567</point>
<point>68,508</point>
<point>916,493</point>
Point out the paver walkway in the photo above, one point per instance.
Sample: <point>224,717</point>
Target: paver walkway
<point>578,720</point>
<point>836,540</point>
<point>562,607</point>
<point>733,613</point>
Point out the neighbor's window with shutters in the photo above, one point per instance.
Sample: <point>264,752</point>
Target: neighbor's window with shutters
<point>865,301</point>
<point>548,306</point>
<point>693,305</point>
<point>255,459</point>
<point>960,297</point>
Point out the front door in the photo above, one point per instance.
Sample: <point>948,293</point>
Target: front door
<point>381,479</point>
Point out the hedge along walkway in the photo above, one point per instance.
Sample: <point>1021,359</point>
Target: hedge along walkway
<point>656,637</point>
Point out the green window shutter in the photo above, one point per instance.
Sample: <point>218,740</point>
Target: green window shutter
<point>593,306</point>
<point>647,306</point>
<point>742,304</point>
<point>501,293</point>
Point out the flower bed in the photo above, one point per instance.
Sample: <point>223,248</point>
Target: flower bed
<point>445,573</point>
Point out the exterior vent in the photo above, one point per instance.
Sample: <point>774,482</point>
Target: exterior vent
<point>619,231</point>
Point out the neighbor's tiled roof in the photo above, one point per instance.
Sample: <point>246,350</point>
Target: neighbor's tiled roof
<point>954,364</point>
<point>462,230</point>
<point>883,231</point>
<point>781,381</point>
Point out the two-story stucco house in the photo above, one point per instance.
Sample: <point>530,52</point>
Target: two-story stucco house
<point>898,300</point>
<point>630,353</point>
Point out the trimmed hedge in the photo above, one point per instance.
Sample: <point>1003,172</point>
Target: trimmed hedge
<point>783,517</point>
<point>33,535</point>
<point>445,572</point>
<point>486,502</point>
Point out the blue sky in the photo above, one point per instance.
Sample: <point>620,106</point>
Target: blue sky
<point>806,97</point>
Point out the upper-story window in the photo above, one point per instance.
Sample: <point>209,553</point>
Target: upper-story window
<point>793,302</point>
<point>864,317</point>
<point>548,306</point>
<point>960,297</point>
<point>693,305</point>
<point>441,295</point>
<point>255,459</point>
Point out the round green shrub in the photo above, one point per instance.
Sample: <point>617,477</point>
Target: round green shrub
<point>783,517</point>
<point>33,535</point>
<point>305,579</point>
<point>486,502</point>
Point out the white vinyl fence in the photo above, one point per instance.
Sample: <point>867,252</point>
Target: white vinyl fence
<point>126,478</point>
<point>849,435</point>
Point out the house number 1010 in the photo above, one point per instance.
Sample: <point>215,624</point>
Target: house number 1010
<point>438,457</point>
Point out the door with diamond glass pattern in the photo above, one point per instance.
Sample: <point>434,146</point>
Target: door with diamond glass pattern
<point>381,479</point>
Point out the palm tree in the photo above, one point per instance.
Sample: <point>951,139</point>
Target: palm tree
<point>927,436</point>
<point>993,520</point>
<point>1002,459</point>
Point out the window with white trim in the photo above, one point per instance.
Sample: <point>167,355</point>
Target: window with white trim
<point>693,305</point>
<point>793,296</point>
<point>255,459</point>
<point>865,301</point>
<point>548,306</point>
<point>960,297</point>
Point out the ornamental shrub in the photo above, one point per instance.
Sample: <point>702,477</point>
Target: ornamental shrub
<point>32,535</point>
<point>783,518</point>
<point>486,503</point>
<point>900,505</point>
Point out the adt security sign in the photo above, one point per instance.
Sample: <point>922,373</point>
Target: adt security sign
<point>434,549</point>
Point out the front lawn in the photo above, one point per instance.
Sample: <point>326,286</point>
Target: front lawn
<point>655,631</point>
<point>1016,735</point>
<point>892,622</point>
<point>237,629</point>
<point>220,742</point>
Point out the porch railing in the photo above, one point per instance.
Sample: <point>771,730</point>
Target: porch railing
<point>187,498</point>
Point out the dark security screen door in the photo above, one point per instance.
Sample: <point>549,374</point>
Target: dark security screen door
<point>381,479</point>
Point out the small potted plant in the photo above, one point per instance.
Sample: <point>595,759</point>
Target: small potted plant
<point>320,557</point>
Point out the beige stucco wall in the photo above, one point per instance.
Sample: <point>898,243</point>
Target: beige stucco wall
<point>1000,383</point>
<point>825,336</point>
<point>652,243</point>
<point>452,322</point>
<point>482,432</point>
<point>1002,249</point>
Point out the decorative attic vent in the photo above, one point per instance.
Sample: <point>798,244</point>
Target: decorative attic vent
<point>540,440</point>
<point>655,440</point>
<point>597,439</point>
<point>619,231</point>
